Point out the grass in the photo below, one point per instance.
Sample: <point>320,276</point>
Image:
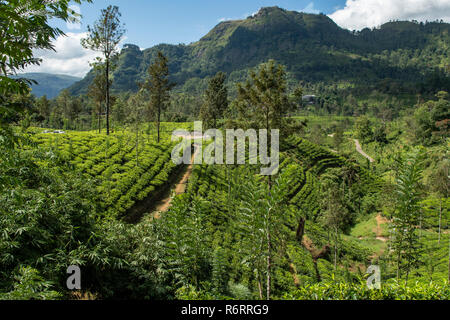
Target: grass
<point>365,228</point>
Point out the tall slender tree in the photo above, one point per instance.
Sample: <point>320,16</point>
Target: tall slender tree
<point>258,220</point>
<point>135,115</point>
<point>216,100</point>
<point>105,37</point>
<point>406,215</point>
<point>440,184</point>
<point>97,92</point>
<point>158,86</point>
<point>263,101</point>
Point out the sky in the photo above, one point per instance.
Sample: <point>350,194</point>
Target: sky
<point>150,22</point>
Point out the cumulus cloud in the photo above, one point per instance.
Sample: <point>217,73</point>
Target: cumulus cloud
<point>310,9</point>
<point>358,14</point>
<point>70,57</point>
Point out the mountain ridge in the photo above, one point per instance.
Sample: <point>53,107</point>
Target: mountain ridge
<point>312,46</point>
<point>48,84</point>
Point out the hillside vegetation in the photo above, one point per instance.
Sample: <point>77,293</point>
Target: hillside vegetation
<point>345,197</point>
<point>313,47</point>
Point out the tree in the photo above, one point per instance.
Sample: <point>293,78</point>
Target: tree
<point>406,214</point>
<point>135,114</point>
<point>432,120</point>
<point>216,100</point>
<point>423,124</point>
<point>75,107</point>
<point>440,115</point>
<point>97,92</point>
<point>379,133</point>
<point>119,108</point>
<point>338,137</point>
<point>69,107</point>
<point>259,219</point>
<point>43,106</point>
<point>25,28</point>
<point>158,86</point>
<point>440,185</point>
<point>335,213</point>
<point>104,37</point>
<point>363,129</point>
<point>263,102</point>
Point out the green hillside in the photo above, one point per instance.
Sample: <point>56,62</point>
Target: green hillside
<point>312,47</point>
<point>48,84</point>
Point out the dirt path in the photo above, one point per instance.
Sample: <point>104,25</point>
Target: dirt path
<point>378,231</point>
<point>164,204</point>
<point>360,150</point>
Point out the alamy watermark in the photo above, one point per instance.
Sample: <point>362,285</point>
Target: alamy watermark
<point>233,147</point>
<point>374,280</point>
<point>74,280</point>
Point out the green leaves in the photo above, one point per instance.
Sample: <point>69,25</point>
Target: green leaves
<point>24,28</point>
<point>158,87</point>
<point>407,212</point>
<point>359,291</point>
<point>106,33</point>
<point>216,101</point>
<point>262,101</point>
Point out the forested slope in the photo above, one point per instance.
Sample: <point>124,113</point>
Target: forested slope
<point>312,47</point>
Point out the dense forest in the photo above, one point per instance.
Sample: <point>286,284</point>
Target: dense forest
<point>362,179</point>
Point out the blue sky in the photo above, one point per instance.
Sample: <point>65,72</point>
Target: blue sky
<point>150,22</point>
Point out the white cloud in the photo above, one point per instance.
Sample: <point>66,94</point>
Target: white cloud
<point>310,9</point>
<point>70,57</point>
<point>244,16</point>
<point>358,14</point>
<point>75,24</point>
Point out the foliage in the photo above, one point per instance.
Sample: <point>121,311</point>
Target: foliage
<point>399,58</point>
<point>360,291</point>
<point>216,101</point>
<point>406,214</point>
<point>24,27</point>
<point>158,86</point>
<point>262,102</point>
<point>104,37</point>
<point>29,285</point>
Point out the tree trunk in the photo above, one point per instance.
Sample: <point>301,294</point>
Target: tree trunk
<point>107,96</point>
<point>159,119</point>
<point>449,261</point>
<point>335,248</point>
<point>300,229</point>
<point>269,266</point>
<point>316,269</point>
<point>99,121</point>
<point>440,219</point>
<point>137,145</point>
<point>259,286</point>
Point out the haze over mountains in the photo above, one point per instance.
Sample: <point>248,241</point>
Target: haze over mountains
<point>49,84</point>
<point>312,47</point>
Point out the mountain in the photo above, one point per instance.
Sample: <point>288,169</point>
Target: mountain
<point>49,84</point>
<point>312,47</point>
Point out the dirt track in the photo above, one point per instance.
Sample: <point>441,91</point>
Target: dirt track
<point>164,204</point>
<point>360,150</point>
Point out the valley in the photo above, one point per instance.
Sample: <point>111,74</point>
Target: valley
<point>317,155</point>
